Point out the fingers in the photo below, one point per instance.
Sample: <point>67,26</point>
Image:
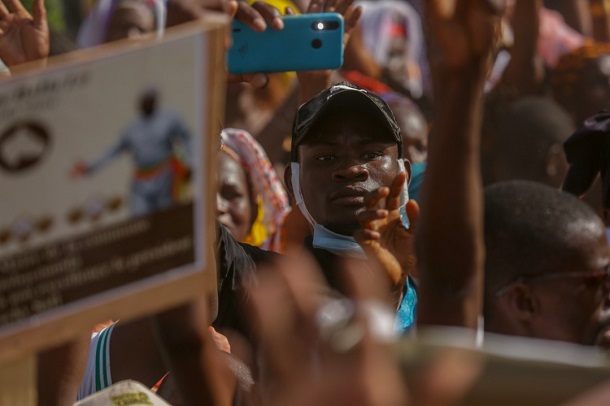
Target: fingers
<point>338,6</point>
<point>351,17</point>
<point>270,14</point>
<point>393,200</point>
<point>39,14</point>
<point>367,218</point>
<point>413,214</point>
<point>315,6</point>
<point>372,199</point>
<point>3,10</point>
<point>230,8</point>
<point>16,7</point>
<point>364,237</point>
<point>256,80</point>
<point>249,16</point>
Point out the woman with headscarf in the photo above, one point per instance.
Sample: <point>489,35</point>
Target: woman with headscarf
<point>251,200</point>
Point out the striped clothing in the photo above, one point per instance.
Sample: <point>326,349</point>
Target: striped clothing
<point>97,374</point>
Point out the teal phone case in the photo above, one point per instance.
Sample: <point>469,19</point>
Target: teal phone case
<point>302,45</point>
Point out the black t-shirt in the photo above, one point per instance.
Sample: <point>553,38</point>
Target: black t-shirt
<point>237,265</point>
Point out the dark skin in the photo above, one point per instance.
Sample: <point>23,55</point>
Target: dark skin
<point>451,285</point>
<point>24,37</point>
<point>341,162</point>
<point>565,309</point>
<point>234,207</point>
<point>129,19</point>
<point>351,184</point>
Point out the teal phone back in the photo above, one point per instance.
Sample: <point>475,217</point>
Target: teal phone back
<point>303,44</point>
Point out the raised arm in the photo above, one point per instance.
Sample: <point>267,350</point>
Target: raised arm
<point>449,241</point>
<point>525,71</point>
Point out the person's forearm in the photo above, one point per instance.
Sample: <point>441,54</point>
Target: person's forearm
<point>524,72</point>
<point>450,242</point>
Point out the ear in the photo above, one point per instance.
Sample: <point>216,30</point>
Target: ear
<point>408,169</point>
<point>288,181</point>
<point>513,312</point>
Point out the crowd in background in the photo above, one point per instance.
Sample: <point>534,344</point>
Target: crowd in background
<point>497,110</point>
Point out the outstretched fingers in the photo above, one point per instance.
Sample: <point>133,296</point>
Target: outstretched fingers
<point>39,14</point>
<point>15,6</point>
<point>413,214</point>
<point>393,199</point>
<point>270,14</point>
<point>258,15</point>
<point>3,10</point>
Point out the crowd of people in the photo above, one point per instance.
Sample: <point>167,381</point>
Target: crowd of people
<point>453,172</point>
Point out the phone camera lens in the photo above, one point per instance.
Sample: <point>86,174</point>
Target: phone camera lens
<point>316,43</point>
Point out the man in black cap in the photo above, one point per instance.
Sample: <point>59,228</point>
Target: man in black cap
<point>349,180</point>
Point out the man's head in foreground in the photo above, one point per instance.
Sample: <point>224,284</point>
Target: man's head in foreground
<point>546,265</point>
<point>345,143</point>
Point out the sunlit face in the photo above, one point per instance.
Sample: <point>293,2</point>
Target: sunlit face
<point>575,309</point>
<point>234,207</point>
<point>344,156</point>
<point>129,19</point>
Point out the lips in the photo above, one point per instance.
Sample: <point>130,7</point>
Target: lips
<point>349,196</point>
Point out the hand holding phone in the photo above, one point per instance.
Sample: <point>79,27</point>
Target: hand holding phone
<point>307,42</point>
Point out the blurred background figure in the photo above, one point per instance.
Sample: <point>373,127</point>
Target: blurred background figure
<point>391,32</point>
<point>523,140</point>
<point>111,20</point>
<point>581,81</point>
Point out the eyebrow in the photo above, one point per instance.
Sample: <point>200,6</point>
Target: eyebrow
<point>330,143</point>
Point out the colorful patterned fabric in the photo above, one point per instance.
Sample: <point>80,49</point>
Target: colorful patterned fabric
<point>267,188</point>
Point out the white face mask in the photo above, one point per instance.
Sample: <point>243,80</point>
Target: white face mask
<point>333,242</point>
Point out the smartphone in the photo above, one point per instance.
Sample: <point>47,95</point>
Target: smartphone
<point>307,42</point>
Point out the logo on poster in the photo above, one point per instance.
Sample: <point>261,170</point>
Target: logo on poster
<point>23,145</point>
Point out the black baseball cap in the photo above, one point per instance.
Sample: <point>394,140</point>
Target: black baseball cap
<point>345,95</point>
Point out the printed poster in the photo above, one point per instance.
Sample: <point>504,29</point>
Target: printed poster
<point>101,175</point>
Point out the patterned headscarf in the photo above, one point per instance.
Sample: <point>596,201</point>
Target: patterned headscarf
<point>267,188</point>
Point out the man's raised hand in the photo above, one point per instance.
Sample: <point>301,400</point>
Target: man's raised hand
<point>384,238</point>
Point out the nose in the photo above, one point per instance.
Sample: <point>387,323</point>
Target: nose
<point>221,205</point>
<point>350,170</point>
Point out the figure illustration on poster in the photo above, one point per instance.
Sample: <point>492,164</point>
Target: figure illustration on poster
<point>154,140</point>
